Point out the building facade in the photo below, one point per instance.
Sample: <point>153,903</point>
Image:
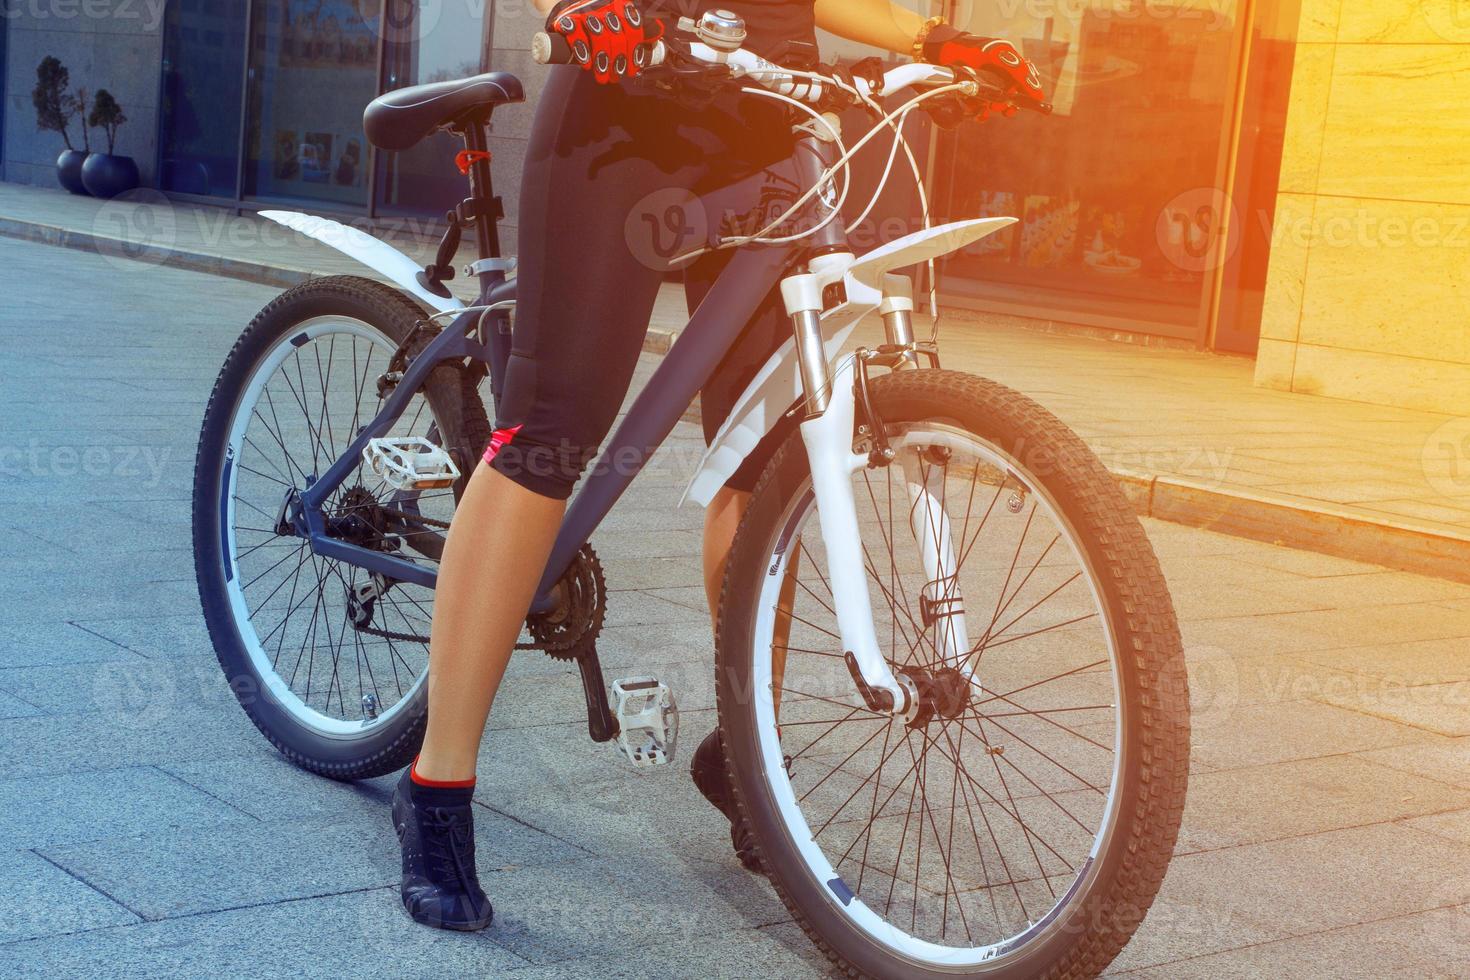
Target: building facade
<point>1176,196</point>
<point>1369,293</point>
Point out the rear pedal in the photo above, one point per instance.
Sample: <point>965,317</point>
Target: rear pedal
<point>411,463</point>
<point>648,721</point>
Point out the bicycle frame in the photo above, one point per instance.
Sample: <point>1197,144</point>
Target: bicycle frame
<point>801,373</point>
<point>714,328</point>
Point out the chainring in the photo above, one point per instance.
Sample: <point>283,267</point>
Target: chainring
<point>569,630</point>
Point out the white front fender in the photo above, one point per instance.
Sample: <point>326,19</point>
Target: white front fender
<point>377,255</point>
<point>769,396</point>
<point>778,385</point>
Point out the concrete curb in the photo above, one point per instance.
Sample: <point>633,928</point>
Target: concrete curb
<point>1421,547</point>
<point>175,258</point>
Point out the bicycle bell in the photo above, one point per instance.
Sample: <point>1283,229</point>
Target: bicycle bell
<point>722,30</point>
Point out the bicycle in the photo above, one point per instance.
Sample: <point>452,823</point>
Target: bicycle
<point>942,779</point>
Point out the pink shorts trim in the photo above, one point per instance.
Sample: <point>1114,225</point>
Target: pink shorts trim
<point>498,441</point>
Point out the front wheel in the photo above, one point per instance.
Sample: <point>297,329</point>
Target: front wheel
<point>1019,822</point>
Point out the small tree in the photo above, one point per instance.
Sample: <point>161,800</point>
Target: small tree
<point>77,105</point>
<point>55,107</point>
<point>107,116</point>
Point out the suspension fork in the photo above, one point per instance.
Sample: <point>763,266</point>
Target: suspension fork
<point>830,416</point>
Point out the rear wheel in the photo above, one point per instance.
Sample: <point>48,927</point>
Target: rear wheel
<point>1020,823</point>
<point>328,662</point>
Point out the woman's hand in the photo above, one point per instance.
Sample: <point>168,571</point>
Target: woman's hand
<point>609,38</point>
<point>995,57</point>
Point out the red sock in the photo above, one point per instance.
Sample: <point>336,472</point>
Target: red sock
<point>418,780</point>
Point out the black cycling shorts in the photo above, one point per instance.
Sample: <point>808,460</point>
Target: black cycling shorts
<point>601,163</point>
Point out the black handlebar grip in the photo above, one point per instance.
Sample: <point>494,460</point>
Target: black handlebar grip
<point>551,49</point>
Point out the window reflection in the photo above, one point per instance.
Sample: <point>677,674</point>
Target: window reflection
<point>314,68</point>
<point>203,64</point>
<point>437,43</point>
<point>1112,191</point>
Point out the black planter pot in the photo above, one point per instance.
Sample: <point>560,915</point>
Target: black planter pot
<point>108,175</point>
<point>69,170</point>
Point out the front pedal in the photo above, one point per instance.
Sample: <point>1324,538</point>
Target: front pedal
<point>648,721</point>
<point>411,464</point>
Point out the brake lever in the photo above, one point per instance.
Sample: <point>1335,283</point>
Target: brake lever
<point>693,82</point>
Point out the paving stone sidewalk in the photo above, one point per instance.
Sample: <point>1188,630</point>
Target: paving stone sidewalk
<point>1195,440</point>
<point>147,829</point>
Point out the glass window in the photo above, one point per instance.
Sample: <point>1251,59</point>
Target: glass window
<point>437,43</point>
<point>313,68</point>
<point>203,64</point>
<point>1114,191</point>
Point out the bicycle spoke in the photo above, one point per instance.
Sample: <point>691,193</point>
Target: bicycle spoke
<point>312,407</point>
<point>962,826</point>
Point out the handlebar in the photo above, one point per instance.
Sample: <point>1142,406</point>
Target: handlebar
<point>553,49</point>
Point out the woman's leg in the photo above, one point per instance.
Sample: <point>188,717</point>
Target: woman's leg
<point>584,299</point>
<point>501,536</point>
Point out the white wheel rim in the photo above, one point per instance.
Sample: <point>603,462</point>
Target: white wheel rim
<point>816,863</point>
<point>276,688</point>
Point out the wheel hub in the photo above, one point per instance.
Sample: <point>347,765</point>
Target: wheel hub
<point>940,694</point>
<point>359,519</point>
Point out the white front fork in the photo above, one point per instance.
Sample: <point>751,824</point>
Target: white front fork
<point>828,436</point>
<point>828,439</point>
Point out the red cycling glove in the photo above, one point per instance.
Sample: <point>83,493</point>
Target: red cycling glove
<point>996,57</point>
<point>609,38</point>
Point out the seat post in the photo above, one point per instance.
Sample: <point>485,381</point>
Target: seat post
<point>482,191</point>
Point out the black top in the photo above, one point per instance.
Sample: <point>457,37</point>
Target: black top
<point>773,24</point>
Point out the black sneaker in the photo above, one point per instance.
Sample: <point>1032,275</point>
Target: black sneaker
<point>712,778</point>
<point>436,828</point>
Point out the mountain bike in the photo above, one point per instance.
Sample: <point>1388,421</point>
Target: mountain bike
<point>949,675</point>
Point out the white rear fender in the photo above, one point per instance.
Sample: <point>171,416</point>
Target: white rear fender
<point>377,255</point>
